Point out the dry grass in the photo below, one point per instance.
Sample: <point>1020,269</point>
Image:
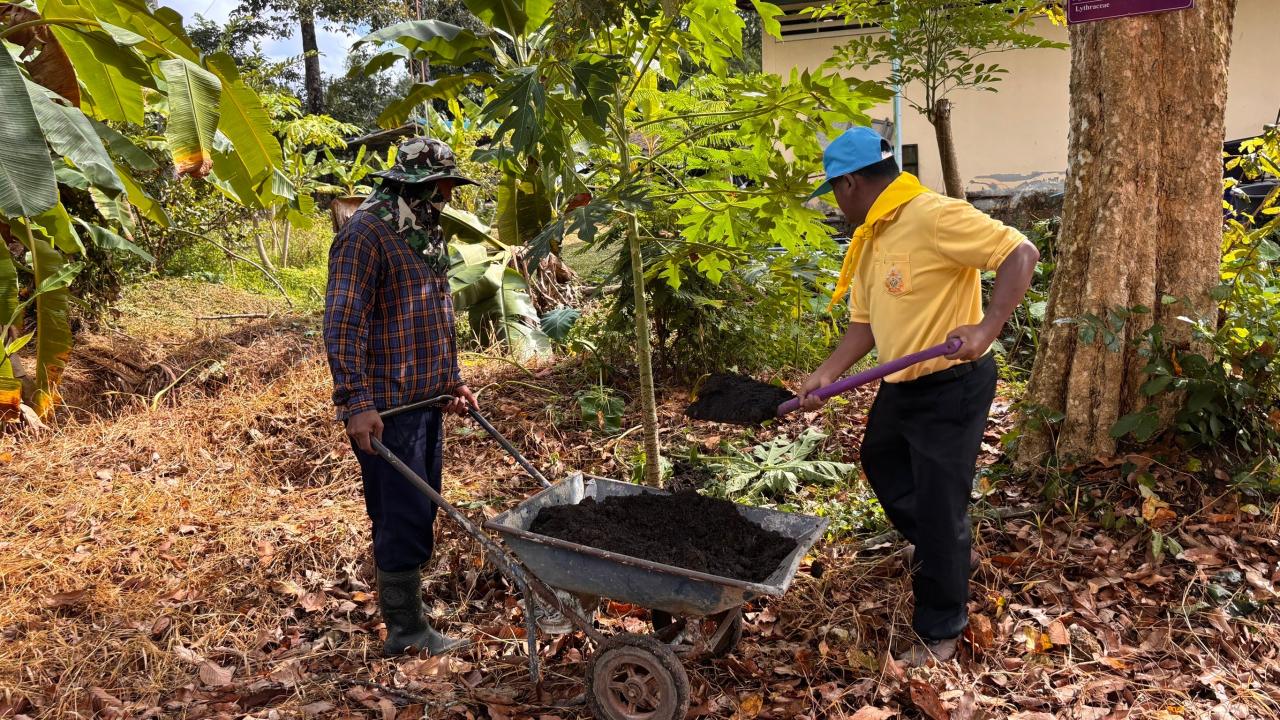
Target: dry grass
<point>208,558</point>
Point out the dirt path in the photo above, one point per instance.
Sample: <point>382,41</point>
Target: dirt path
<point>207,557</point>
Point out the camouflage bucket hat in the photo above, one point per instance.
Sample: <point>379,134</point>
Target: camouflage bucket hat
<point>420,160</point>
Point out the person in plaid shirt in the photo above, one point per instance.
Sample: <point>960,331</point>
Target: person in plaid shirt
<point>389,334</point>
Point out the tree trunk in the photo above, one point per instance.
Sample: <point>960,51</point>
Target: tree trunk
<point>940,116</point>
<point>311,65</point>
<point>284,246</point>
<point>263,254</point>
<point>1142,218</point>
<point>422,70</point>
<point>644,355</point>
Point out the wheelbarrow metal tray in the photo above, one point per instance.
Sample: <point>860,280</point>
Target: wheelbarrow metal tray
<point>591,571</point>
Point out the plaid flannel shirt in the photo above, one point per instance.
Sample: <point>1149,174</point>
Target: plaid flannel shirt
<point>388,321</point>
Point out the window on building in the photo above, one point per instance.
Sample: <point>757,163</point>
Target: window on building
<point>911,159</point>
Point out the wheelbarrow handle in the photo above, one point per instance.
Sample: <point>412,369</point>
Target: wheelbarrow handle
<point>483,422</point>
<point>875,373</point>
<point>493,551</point>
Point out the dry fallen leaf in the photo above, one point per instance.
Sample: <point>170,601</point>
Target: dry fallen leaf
<point>1058,633</point>
<point>1201,556</point>
<point>160,626</point>
<point>288,587</point>
<point>925,697</point>
<point>1254,578</point>
<point>67,599</point>
<point>312,602</point>
<point>1113,663</point>
<point>980,632</point>
<point>316,709</point>
<point>495,696</point>
<point>966,707</point>
<point>214,675</point>
<point>749,707</point>
<point>106,705</point>
<point>1100,688</point>
<point>869,712</point>
<point>266,552</point>
<point>1036,641</point>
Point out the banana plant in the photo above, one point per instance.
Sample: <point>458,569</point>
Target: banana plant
<point>494,294</point>
<point>349,175</point>
<point>68,68</point>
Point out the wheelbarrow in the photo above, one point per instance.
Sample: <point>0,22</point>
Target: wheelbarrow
<point>695,615</point>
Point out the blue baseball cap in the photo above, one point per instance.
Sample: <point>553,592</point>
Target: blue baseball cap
<point>856,148</point>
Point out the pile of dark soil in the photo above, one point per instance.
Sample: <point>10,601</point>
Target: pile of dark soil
<point>689,475</point>
<point>737,399</point>
<point>683,529</point>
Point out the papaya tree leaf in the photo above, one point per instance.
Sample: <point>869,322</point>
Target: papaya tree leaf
<point>519,102</point>
<point>596,80</point>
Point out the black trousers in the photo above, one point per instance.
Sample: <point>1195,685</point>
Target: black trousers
<point>919,454</point>
<point>403,518</point>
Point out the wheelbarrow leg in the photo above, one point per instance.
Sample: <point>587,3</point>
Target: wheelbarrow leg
<point>531,632</point>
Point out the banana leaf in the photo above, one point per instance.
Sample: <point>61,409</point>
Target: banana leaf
<point>27,185</point>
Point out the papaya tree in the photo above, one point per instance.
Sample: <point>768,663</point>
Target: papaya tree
<point>578,115</point>
<point>69,71</point>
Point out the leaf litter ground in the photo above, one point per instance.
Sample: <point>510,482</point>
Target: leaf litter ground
<point>208,558</point>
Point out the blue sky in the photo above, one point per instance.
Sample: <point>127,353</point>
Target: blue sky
<point>333,45</point>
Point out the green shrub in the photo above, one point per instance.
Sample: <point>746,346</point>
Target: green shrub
<point>1232,389</point>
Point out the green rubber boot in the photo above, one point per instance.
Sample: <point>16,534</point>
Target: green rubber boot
<point>400,602</point>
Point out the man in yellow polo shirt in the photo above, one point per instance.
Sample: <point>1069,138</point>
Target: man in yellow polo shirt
<point>912,272</point>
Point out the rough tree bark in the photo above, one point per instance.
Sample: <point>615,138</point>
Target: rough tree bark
<point>311,63</point>
<point>1142,218</point>
<point>940,118</point>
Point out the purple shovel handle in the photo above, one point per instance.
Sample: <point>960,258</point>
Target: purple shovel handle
<point>875,373</point>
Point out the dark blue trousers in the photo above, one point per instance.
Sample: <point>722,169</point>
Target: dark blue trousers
<point>403,518</point>
<point>919,452</point>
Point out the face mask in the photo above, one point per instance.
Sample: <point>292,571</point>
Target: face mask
<point>436,198</point>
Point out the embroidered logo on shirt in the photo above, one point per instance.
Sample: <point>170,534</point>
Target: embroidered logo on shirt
<point>893,281</point>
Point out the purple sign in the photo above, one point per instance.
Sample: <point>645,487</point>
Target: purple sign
<point>1079,11</point>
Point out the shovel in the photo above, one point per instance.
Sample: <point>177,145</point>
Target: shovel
<point>740,400</point>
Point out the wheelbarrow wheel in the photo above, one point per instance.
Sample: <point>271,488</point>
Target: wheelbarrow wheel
<point>636,677</point>
<point>729,641</point>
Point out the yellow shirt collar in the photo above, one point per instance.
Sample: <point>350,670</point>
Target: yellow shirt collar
<point>902,190</point>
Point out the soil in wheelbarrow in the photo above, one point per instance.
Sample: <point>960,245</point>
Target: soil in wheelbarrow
<point>683,529</point>
<point>737,399</point>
